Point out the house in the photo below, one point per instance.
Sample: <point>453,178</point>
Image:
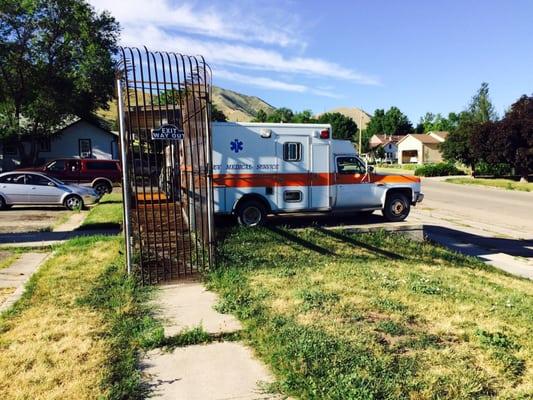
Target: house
<point>421,148</point>
<point>79,139</point>
<point>389,143</point>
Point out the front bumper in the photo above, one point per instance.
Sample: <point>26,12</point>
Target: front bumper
<point>89,199</point>
<point>419,197</point>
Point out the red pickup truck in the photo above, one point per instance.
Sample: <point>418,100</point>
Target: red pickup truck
<point>102,175</point>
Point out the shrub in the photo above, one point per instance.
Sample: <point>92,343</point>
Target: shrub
<point>500,169</point>
<point>440,169</point>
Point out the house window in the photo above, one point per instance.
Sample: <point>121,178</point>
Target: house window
<point>292,196</point>
<point>85,148</point>
<point>292,151</point>
<point>44,145</point>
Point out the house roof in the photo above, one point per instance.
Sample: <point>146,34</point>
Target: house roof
<point>384,139</point>
<point>422,137</point>
<point>441,134</point>
<point>95,122</point>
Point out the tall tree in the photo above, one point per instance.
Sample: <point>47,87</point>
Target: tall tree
<point>391,122</point>
<point>217,114</point>
<point>281,114</point>
<point>260,116</point>
<point>55,62</point>
<point>514,138</point>
<point>481,107</point>
<point>343,127</point>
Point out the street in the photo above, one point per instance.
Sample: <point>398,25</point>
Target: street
<point>493,224</point>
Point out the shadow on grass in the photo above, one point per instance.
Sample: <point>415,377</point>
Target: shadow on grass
<point>347,239</point>
<point>114,226</point>
<point>299,241</point>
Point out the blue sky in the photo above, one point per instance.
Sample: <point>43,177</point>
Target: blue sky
<point>417,55</point>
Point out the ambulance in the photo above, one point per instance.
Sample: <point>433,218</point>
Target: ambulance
<point>264,168</point>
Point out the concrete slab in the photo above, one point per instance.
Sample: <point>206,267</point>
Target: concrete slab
<point>74,222</point>
<point>216,371</point>
<point>188,305</point>
<point>16,276</point>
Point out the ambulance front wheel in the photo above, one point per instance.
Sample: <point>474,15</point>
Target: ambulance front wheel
<point>251,213</point>
<point>396,208</point>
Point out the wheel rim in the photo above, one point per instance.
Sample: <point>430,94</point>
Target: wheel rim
<point>101,189</point>
<point>251,216</point>
<point>397,207</point>
<point>73,202</point>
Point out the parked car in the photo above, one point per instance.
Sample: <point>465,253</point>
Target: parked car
<point>36,188</point>
<point>102,175</point>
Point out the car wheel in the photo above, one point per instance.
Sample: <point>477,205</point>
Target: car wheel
<point>102,188</point>
<point>251,213</point>
<point>3,204</point>
<point>397,207</point>
<point>74,203</point>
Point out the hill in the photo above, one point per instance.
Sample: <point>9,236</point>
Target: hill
<point>361,117</point>
<point>238,106</point>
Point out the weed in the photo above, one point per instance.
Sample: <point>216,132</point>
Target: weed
<point>317,299</point>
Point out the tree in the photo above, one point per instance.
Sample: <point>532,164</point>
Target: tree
<point>480,107</point>
<point>281,114</point>
<point>168,97</point>
<point>260,116</point>
<point>436,122</point>
<point>513,138</point>
<point>392,122</point>
<point>217,115</point>
<point>304,117</point>
<point>55,63</point>
<point>343,127</point>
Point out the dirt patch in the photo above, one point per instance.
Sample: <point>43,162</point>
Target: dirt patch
<point>5,293</point>
<point>31,219</point>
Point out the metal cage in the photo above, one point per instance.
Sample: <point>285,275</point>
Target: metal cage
<point>164,117</point>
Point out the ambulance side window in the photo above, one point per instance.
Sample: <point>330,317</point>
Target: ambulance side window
<point>292,151</point>
<point>350,165</point>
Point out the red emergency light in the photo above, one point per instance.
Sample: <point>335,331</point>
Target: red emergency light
<point>324,134</point>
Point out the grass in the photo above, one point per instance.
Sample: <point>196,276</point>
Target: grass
<point>497,183</point>
<point>107,214</point>
<point>8,258</point>
<point>78,328</point>
<point>376,316</point>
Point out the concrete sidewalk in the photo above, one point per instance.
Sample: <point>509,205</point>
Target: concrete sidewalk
<point>17,275</point>
<point>215,371</point>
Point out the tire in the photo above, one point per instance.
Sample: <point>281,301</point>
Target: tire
<point>251,213</point>
<point>73,202</point>
<point>3,204</point>
<point>102,187</point>
<point>397,207</point>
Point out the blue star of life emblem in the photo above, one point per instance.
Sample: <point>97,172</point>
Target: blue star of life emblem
<point>236,145</point>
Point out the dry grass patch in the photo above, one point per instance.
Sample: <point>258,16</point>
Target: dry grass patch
<point>52,346</point>
<point>5,293</point>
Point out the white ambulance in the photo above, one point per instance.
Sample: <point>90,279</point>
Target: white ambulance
<point>265,168</point>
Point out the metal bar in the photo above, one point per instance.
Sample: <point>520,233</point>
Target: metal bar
<point>125,181</point>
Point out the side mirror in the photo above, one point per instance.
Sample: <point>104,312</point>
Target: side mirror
<point>370,168</point>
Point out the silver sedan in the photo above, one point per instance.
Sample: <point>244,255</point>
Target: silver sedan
<point>36,188</point>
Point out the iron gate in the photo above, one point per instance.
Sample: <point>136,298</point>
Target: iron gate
<point>164,113</point>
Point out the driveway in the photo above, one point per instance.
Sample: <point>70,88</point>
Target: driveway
<point>31,219</point>
<point>493,224</point>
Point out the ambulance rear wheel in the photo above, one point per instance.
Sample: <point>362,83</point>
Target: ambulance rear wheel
<point>251,213</point>
<point>396,208</point>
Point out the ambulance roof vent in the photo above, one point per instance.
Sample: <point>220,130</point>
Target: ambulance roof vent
<point>266,133</point>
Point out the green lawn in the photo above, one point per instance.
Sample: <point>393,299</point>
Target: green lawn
<point>376,316</point>
<point>498,183</point>
<point>108,213</point>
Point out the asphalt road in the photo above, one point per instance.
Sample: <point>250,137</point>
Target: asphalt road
<point>493,224</point>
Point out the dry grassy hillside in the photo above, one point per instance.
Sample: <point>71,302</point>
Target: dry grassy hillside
<point>237,106</point>
<point>360,117</point>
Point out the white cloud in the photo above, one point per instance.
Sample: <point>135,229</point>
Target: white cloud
<point>262,82</point>
<point>242,56</point>
<point>229,23</point>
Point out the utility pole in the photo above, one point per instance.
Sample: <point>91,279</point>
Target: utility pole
<point>360,132</point>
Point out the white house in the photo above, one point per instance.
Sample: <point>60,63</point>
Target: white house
<point>389,144</point>
<point>421,148</point>
<point>80,139</point>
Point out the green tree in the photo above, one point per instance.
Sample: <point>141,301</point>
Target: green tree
<point>260,116</point>
<point>392,122</point>
<point>481,107</point>
<point>343,127</point>
<point>304,117</point>
<point>55,62</point>
<point>217,115</point>
<point>281,114</point>
<point>168,97</point>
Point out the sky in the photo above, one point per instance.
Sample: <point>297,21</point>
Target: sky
<point>420,56</point>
